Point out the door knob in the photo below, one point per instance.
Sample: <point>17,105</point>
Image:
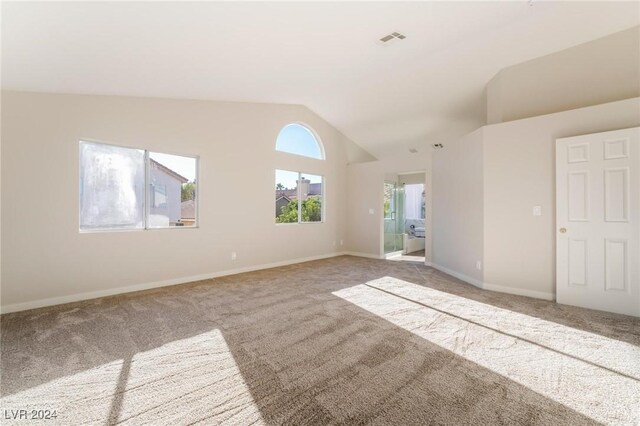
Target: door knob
<point>563,230</point>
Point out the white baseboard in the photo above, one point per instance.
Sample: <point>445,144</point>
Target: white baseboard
<point>493,287</point>
<point>367,255</point>
<point>5,309</point>
<point>393,254</point>
<point>458,275</point>
<point>520,291</point>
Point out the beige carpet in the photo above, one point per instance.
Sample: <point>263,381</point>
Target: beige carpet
<point>339,341</point>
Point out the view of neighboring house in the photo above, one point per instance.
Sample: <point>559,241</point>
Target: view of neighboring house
<point>165,205</point>
<point>307,189</point>
<point>282,200</point>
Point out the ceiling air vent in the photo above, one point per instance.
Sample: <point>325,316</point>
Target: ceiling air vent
<point>389,39</point>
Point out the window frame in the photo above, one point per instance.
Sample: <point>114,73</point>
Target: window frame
<point>299,198</point>
<point>147,192</point>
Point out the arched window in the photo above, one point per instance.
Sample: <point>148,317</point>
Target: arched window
<point>299,140</point>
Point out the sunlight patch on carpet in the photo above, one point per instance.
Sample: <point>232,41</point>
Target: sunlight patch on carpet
<point>591,374</point>
<point>184,381</point>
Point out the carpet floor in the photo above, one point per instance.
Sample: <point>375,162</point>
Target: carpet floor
<point>344,340</point>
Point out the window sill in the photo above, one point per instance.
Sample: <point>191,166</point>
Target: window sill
<point>116,230</point>
<point>300,223</point>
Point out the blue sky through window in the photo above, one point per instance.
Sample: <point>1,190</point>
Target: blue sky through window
<point>297,139</point>
<point>184,166</point>
<point>287,178</point>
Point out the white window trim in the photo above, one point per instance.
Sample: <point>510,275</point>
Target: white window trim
<point>147,180</point>
<point>299,195</point>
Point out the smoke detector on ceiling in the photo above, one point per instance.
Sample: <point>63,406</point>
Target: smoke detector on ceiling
<point>390,39</point>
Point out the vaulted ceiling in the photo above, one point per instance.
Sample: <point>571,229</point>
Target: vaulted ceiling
<point>415,92</point>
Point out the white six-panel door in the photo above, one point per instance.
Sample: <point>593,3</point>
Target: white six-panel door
<point>598,221</point>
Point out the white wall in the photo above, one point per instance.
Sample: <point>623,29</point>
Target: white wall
<point>519,173</point>
<point>505,170</point>
<point>365,191</point>
<point>45,257</point>
<point>593,73</point>
<point>458,207</point>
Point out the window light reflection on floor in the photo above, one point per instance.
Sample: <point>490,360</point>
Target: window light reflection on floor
<point>591,374</point>
<point>183,381</point>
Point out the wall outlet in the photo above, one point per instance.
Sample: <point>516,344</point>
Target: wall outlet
<point>479,265</point>
<point>341,242</point>
<point>234,255</point>
<point>371,211</point>
<point>537,210</point>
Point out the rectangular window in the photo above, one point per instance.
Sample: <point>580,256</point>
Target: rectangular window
<point>172,189</point>
<point>159,196</point>
<point>127,188</point>
<point>299,197</point>
<point>111,187</point>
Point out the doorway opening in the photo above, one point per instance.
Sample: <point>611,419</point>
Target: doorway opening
<point>404,217</point>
